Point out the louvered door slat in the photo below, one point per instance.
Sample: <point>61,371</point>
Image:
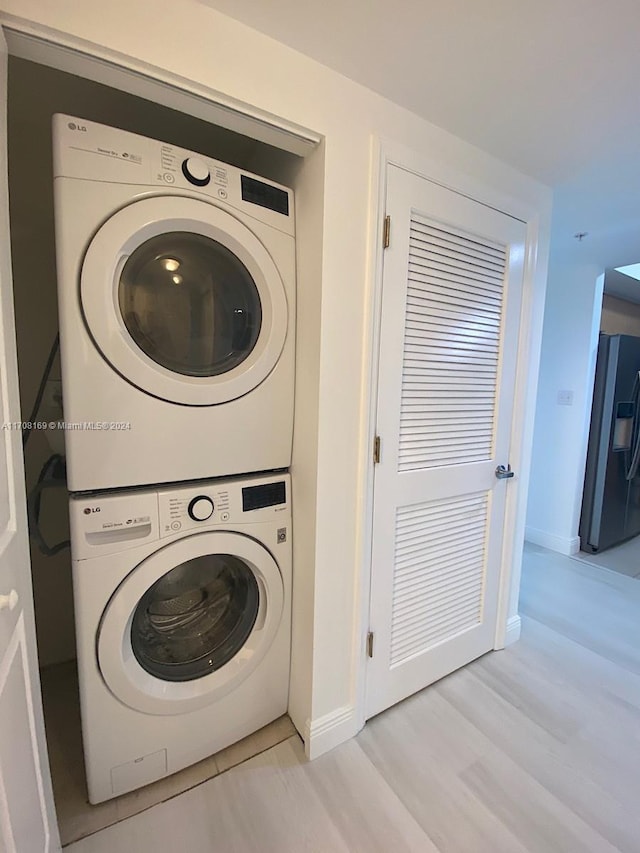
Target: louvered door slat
<point>483,251</point>
<point>423,229</point>
<point>442,289</point>
<point>476,278</point>
<point>463,505</point>
<point>449,573</point>
<point>451,598</point>
<point>411,599</point>
<point>431,235</point>
<point>444,312</point>
<point>465,287</point>
<point>453,603</point>
<point>441,371</point>
<point>450,332</point>
<point>429,351</point>
<point>442,420</point>
<point>476,282</point>
<point>413,553</point>
<point>426,317</point>
<point>417,547</point>
<point>444,582</point>
<point>443,300</point>
<point>454,625</point>
<point>459,431</point>
<point>432,525</point>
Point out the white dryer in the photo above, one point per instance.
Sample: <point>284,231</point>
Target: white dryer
<point>183,615</point>
<point>176,290</point>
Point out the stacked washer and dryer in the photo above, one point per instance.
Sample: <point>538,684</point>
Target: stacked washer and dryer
<point>176,285</point>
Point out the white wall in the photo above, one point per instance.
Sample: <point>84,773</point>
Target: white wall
<point>569,345</point>
<point>193,41</point>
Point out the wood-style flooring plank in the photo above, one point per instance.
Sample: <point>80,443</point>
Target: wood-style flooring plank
<point>276,802</point>
<point>533,749</point>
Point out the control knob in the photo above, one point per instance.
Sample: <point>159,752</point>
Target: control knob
<point>200,508</point>
<point>196,171</point>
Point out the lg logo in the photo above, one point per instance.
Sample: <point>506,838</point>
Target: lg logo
<point>73,126</point>
<point>89,509</point>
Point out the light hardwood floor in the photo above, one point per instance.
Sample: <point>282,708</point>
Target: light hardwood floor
<point>534,748</point>
<point>76,817</point>
<point>623,558</point>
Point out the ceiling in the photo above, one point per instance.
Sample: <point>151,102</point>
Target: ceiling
<point>552,88</point>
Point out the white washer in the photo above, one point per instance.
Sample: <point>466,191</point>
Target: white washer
<point>176,291</point>
<point>183,622</point>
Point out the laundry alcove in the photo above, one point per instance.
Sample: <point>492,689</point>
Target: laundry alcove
<point>36,92</point>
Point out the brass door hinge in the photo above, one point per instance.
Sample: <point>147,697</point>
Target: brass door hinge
<point>386,232</point>
<point>370,644</point>
<point>376,450</point>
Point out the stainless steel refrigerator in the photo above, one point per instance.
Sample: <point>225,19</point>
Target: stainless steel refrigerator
<point>611,497</point>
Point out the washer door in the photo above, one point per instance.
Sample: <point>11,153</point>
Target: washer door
<point>190,623</point>
<point>184,301</point>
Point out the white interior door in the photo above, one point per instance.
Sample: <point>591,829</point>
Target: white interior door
<point>451,301</point>
<point>27,814</point>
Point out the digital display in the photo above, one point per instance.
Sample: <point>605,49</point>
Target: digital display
<point>265,195</point>
<point>258,497</point>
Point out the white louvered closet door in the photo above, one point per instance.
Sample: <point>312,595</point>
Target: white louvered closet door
<point>451,301</point>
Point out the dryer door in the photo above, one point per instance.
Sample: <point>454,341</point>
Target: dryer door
<point>184,301</point>
<point>190,622</point>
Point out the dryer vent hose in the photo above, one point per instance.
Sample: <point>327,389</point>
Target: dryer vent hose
<point>26,432</point>
<point>52,475</point>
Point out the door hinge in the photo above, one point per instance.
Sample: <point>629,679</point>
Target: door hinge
<point>376,450</point>
<point>386,232</point>
<point>370,644</point>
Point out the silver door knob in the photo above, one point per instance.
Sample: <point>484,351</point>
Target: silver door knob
<point>503,473</point>
<point>9,601</point>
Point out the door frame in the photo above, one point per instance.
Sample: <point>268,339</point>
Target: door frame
<point>536,217</point>
<point>57,49</point>
<point>65,52</point>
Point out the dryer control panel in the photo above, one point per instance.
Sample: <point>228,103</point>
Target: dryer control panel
<point>90,151</point>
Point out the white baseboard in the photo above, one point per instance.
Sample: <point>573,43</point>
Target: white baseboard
<point>567,545</point>
<point>334,728</point>
<point>514,625</point>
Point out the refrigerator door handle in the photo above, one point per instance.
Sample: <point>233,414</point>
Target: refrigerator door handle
<point>632,467</point>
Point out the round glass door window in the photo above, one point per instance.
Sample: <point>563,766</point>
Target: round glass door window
<point>195,618</point>
<point>190,304</point>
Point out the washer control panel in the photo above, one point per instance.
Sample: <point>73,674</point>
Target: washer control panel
<point>221,503</point>
<point>198,506</point>
<point>201,508</point>
<point>107,523</point>
<point>196,171</point>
